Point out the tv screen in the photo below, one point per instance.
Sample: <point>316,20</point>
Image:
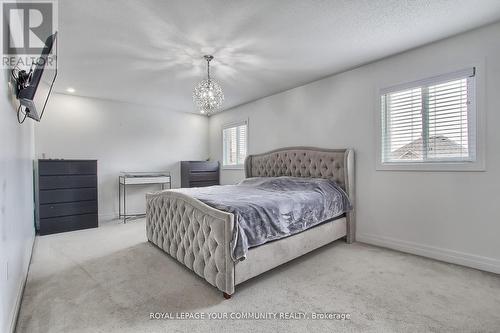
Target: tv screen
<point>35,96</point>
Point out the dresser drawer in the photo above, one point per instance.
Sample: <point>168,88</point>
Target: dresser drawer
<point>67,223</point>
<point>62,182</point>
<point>203,166</point>
<point>204,176</point>
<point>67,195</point>
<point>62,167</point>
<point>69,208</point>
<point>203,183</point>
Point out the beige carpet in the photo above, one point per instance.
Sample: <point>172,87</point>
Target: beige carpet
<point>110,279</point>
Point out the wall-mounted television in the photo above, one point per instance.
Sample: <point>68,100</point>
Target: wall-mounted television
<point>33,93</point>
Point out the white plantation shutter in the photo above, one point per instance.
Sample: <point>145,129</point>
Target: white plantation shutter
<point>230,138</point>
<point>242,144</point>
<point>234,144</point>
<point>430,121</point>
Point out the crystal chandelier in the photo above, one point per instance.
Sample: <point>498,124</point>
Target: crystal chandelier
<point>208,95</point>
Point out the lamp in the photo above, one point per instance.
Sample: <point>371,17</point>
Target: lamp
<point>208,95</point>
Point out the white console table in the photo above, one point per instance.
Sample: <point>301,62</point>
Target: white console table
<point>138,178</point>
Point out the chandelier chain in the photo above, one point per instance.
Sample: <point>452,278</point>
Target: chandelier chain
<point>208,69</point>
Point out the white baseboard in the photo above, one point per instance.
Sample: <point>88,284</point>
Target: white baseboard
<point>20,290</point>
<point>455,257</point>
<point>105,218</point>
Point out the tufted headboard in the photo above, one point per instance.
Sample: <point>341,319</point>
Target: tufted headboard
<point>301,162</point>
<point>310,162</point>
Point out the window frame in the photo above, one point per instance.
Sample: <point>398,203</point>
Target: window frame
<point>231,125</point>
<point>476,125</point>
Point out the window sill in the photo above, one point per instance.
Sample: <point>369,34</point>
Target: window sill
<point>431,166</point>
<point>233,167</point>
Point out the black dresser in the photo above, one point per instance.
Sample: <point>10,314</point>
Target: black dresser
<point>65,195</point>
<point>199,173</point>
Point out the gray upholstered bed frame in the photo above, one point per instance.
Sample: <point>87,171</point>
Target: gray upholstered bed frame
<point>199,236</point>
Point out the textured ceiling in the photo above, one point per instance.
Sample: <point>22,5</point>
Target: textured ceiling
<point>150,52</point>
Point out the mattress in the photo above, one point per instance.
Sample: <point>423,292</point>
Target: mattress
<point>271,208</point>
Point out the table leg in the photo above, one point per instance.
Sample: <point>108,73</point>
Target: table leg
<point>124,203</point>
<point>119,200</point>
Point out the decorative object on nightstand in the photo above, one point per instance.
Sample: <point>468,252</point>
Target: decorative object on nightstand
<point>199,173</point>
<point>138,178</point>
<point>65,195</point>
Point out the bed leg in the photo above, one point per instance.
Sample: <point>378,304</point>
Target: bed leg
<point>226,296</point>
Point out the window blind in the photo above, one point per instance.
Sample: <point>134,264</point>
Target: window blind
<point>430,120</point>
<point>234,141</point>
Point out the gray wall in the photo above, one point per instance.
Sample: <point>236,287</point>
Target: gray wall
<point>451,216</point>
<point>122,137</point>
<point>17,230</point>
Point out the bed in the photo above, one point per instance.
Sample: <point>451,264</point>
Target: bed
<point>201,236</point>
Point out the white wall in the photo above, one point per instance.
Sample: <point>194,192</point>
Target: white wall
<point>452,216</point>
<point>17,230</point>
<point>122,137</point>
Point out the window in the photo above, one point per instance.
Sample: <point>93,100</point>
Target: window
<point>234,145</point>
<point>429,122</point>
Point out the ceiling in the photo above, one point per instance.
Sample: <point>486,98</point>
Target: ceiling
<point>150,52</point>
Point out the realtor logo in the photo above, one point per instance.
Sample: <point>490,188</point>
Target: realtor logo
<point>26,26</point>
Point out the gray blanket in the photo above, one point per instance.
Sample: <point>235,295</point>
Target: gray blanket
<point>267,208</point>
